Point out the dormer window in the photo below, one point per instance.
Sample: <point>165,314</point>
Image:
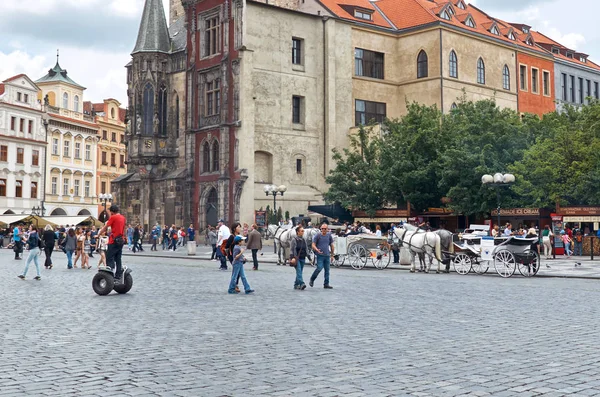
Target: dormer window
<point>529,41</point>
<point>555,50</point>
<point>525,29</point>
<point>445,15</point>
<point>469,22</point>
<point>461,5</point>
<point>494,30</point>
<point>363,14</point>
<point>570,55</point>
<point>511,36</point>
<point>583,59</point>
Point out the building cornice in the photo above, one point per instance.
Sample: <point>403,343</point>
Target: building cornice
<point>21,107</point>
<point>19,139</point>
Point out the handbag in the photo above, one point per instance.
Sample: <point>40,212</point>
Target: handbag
<point>293,262</point>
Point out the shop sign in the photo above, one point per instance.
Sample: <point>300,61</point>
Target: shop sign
<point>439,211</point>
<point>387,213</point>
<point>580,211</point>
<point>517,212</point>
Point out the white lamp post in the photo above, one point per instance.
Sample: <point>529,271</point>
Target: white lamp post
<point>497,181</point>
<point>104,198</point>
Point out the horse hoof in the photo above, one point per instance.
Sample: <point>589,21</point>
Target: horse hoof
<point>437,272</point>
<point>412,271</point>
<point>427,271</point>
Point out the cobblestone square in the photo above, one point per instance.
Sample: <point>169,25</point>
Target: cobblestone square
<point>377,333</point>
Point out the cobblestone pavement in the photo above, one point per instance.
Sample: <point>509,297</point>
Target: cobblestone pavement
<point>178,333</point>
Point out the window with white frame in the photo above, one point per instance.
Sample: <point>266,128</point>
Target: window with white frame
<point>87,189</point>
<point>76,187</point>
<point>66,148</point>
<point>65,101</point>
<point>65,186</point>
<point>88,152</point>
<point>55,146</point>
<point>77,150</point>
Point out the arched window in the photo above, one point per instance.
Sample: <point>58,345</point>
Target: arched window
<point>453,64</point>
<point>480,71</point>
<point>215,156</point>
<point>422,67</point>
<point>177,115</point>
<point>453,106</point>
<point>76,103</point>
<point>506,78</point>
<point>162,111</point>
<point>65,101</point>
<point>112,113</point>
<point>148,110</point>
<point>206,157</point>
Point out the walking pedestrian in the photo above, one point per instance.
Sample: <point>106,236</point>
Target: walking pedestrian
<point>578,239</point>
<point>191,233</point>
<point>567,243</point>
<point>80,240</point>
<point>222,236</point>
<point>322,245</point>
<point>93,241</point>
<point>547,237</point>
<point>254,244</point>
<point>130,238</point>
<point>298,251</point>
<point>18,242</point>
<point>136,239</point>
<point>212,238</point>
<point>154,236</point>
<point>245,230</point>
<point>70,245</point>
<point>34,251</point>
<point>238,267</point>
<point>174,238</point>
<point>165,237</point>
<point>49,238</point>
<point>85,258</point>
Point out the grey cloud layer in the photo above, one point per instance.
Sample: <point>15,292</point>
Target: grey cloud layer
<point>509,5</point>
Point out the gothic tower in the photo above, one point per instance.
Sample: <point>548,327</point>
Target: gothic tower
<point>152,191</point>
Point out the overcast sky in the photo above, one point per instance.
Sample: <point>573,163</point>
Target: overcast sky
<point>96,37</point>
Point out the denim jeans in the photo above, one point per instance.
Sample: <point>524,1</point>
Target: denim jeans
<point>299,268</point>
<point>222,259</point>
<point>33,256</point>
<point>396,254</point>
<point>69,259</point>
<point>113,256</point>
<point>255,258</point>
<point>214,252</point>
<point>238,271</point>
<point>578,249</point>
<point>323,261</point>
<point>129,241</point>
<point>568,251</point>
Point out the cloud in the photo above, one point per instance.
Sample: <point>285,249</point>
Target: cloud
<point>508,5</point>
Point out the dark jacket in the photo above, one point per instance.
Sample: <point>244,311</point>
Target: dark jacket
<point>33,241</point>
<point>254,240</point>
<point>298,248</point>
<point>49,238</point>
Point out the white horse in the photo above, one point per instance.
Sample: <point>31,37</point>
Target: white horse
<point>420,242</point>
<point>283,235</point>
<point>309,233</point>
<point>447,246</point>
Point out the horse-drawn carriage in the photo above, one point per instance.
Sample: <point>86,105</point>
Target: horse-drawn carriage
<point>359,249</point>
<point>474,252</point>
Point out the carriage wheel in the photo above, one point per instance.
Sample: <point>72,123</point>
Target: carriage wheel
<point>338,260</point>
<point>382,260</point>
<point>530,269</point>
<point>504,263</point>
<point>480,267</point>
<point>358,256</point>
<point>462,263</point>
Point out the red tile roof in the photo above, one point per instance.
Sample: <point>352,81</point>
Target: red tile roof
<point>98,107</point>
<point>87,107</point>
<point>345,10</point>
<point>405,14</point>
<point>546,41</point>
<point>122,114</point>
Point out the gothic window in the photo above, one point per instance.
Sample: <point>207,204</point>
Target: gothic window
<point>211,36</point>
<point>453,65</point>
<point>65,101</point>
<point>177,115</point>
<point>215,156</point>
<point>148,109</point>
<point>206,157</point>
<point>480,71</point>
<point>506,78</point>
<point>162,111</point>
<point>422,65</point>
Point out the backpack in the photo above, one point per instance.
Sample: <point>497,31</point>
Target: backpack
<point>41,243</point>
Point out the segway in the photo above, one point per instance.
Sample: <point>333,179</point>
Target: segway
<point>104,281</point>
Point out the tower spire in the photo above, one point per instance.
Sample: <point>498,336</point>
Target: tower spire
<point>57,54</point>
<point>153,35</point>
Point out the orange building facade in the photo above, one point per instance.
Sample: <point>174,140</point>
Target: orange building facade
<point>535,83</point>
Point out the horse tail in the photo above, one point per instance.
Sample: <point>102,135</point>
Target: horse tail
<point>438,248</point>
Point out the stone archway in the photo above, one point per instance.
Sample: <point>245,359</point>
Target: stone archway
<point>58,211</point>
<point>84,212</point>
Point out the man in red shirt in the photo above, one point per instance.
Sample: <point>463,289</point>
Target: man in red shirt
<point>116,239</point>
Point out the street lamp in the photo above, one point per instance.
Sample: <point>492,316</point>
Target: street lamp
<point>497,181</point>
<point>275,190</point>
<point>38,210</point>
<point>104,198</point>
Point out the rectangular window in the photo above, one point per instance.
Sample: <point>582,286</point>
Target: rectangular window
<point>76,185</point>
<point>77,150</point>
<point>19,97</point>
<point>104,162</point>
<point>55,146</point>
<point>211,36</point>
<point>87,189</point>
<point>565,86</point>
<point>105,135</point>
<point>65,186</point>
<point>588,88</point>
<point>596,93</point>
<point>35,157</point>
<point>66,148</point>
<point>523,77</point>
<point>535,74</point>
<point>213,98</point>
<point>360,14</point>
<point>19,189</point>
<point>13,123</point>
<point>3,187</point>
<point>546,83</point>
<point>54,185</point>
<point>572,78</point>
<point>4,153</point>
<point>580,90</point>
<point>25,98</point>
<point>367,112</point>
<point>368,63</point>
<point>88,152</point>
<point>34,186</point>
<point>20,155</point>
<point>103,187</point>
<point>297,110</point>
<point>21,125</point>
<point>122,138</point>
<point>297,51</point>
<point>30,127</point>
<point>113,160</point>
<point>122,161</point>
<point>113,138</point>
<point>298,166</point>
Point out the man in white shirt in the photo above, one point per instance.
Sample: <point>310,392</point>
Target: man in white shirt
<point>222,236</point>
<point>508,230</point>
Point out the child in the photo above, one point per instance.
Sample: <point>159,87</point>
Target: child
<point>238,266</point>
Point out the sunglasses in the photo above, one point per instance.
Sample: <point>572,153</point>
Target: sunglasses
<point>323,228</point>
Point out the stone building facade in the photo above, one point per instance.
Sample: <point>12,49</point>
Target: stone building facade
<point>156,188</point>
<point>22,146</point>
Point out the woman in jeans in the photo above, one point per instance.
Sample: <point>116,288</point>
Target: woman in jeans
<point>34,251</point>
<point>49,238</point>
<point>70,247</point>
<point>298,251</point>
<point>212,238</point>
<point>567,242</point>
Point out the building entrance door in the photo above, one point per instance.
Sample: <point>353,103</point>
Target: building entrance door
<point>212,215</point>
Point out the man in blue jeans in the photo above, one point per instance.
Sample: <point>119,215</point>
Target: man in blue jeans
<point>322,245</point>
